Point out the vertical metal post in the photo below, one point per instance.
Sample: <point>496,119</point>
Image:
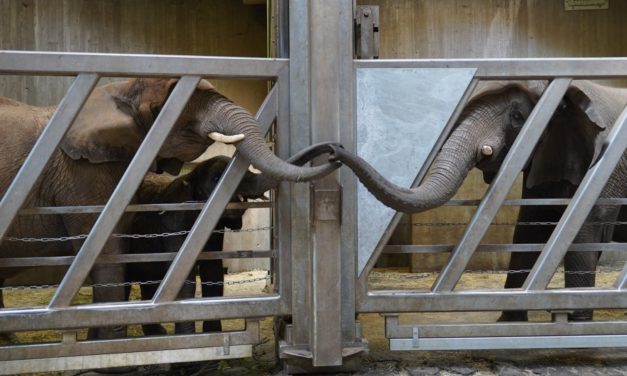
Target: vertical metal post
<point>330,57</point>
<point>321,97</point>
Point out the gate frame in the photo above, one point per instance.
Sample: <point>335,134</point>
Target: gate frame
<point>59,315</point>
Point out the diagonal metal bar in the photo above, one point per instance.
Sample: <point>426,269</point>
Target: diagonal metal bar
<point>122,195</point>
<point>621,281</point>
<point>580,205</point>
<point>210,214</point>
<point>38,158</point>
<point>514,162</point>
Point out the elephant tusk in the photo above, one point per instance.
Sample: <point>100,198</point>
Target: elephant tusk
<point>216,136</point>
<point>487,150</point>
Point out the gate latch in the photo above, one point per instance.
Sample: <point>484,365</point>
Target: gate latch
<point>366,32</point>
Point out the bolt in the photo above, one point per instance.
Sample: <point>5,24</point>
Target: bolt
<point>367,12</point>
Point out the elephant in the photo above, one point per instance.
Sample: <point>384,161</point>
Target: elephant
<point>98,147</point>
<point>197,185</point>
<point>484,133</point>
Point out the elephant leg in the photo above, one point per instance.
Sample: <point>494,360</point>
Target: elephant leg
<point>521,262</point>
<point>147,292</point>
<point>580,267</point>
<point>211,271</point>
<point>187,292</point>
<point>620,231</point>
<point>113,274</point>
<point>580,270</point>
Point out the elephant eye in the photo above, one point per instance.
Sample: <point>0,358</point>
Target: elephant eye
<point>517,118</point>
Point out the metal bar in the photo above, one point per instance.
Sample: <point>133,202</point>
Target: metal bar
<point>211,212</point>
<point>117,346</point>
<point>494,300</point>
<point>299,201</point>
<point>66,63</point>
<point>42,151</point>
<point>48,210</point>
<point>440,248</point>
<point>124,192</point>
<point>23,262</point>
<point>512,165</point>
<point>576,212</point>
<point>329,54</point>
<point>508,329</point>
<point>502,343</point>
<point>11,367</point>
<point>489,69</point>
<point>281,214</point>
<point>536,202</point>
<point>127,313</point>
<point>621,281</point>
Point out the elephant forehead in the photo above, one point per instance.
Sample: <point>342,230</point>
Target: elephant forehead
<point>491,87</point>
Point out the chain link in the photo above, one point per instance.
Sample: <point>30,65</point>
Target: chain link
<point>130,236</point>
<point>129,284</point>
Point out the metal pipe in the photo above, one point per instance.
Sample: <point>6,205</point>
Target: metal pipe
<point>116,65</point>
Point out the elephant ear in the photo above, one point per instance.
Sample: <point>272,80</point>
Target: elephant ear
<point>115,119</point>
<point>574,136</point>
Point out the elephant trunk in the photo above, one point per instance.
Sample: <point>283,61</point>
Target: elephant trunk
<point>235,120</point>
<point>264,182</point>
<point>455,160</point>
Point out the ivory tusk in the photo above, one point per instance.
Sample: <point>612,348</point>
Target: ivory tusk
<point>216,136</point>
<point>487,150</point>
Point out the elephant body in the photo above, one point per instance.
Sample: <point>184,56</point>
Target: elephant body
<point>96,151</point>
<point>195,186</point>
<point>486,129</point>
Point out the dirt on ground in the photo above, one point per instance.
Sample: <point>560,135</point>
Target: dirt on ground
<point>380,360</point>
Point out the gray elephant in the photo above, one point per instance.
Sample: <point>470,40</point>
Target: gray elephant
<point>194,186</point>
<point>96,151</point>
<point>486,130</point>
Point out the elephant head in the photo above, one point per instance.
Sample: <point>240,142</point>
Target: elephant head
<point>116,117</point>
<point>485,131</point>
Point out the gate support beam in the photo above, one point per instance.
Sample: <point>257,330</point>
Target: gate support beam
<point>321,96</point>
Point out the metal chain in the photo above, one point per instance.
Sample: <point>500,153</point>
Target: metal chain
<point>130,236</point>
<point>445,224</point>
<point>153,282</point>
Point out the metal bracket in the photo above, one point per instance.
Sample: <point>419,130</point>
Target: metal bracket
<point>327,203</point>
<point>366,32</point>
<point>415,337</point>
<point>69,337</point>
<point>560,317</point>
<point>226,347</point>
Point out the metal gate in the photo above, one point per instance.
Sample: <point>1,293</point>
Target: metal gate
<point>60,314</point>
<point>442,296</point>
<point>318,282</point>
